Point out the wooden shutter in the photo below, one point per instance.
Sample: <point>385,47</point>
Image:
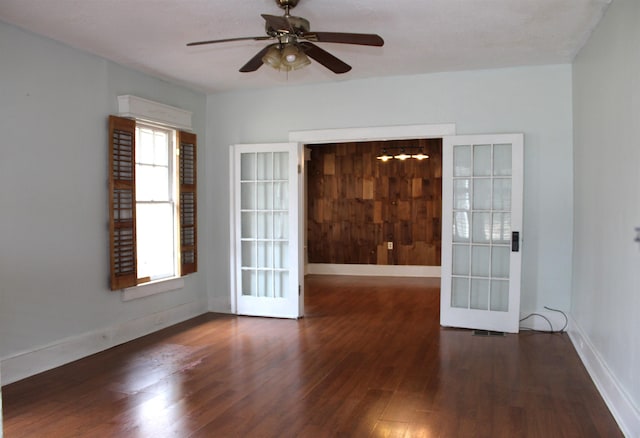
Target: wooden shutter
<point>188,203</point>
<point>122,202</point>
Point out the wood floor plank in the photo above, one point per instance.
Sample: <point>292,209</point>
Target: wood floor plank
<point>368,359</point>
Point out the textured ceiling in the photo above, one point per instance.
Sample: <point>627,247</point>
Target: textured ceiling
<point>421,36</point>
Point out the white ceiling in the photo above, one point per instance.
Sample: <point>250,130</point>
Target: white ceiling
<point>420,36</point>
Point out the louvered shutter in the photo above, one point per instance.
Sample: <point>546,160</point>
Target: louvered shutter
<point>188,203</point>
<point>122,202</point>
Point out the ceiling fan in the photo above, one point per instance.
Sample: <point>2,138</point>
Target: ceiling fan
<point>295,43</point>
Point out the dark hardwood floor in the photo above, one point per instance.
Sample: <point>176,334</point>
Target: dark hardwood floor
<point>369,359</point>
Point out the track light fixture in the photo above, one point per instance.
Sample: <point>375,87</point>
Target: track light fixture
<point>404,153</point>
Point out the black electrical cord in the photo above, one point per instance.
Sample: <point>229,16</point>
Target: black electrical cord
<point>551,330</point>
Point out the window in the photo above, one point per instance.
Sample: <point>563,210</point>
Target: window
<point>156,193</point>
<point>152,201</point>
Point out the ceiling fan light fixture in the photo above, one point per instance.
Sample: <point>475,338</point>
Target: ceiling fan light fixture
<point>273,57</point>
<point>293,57</point>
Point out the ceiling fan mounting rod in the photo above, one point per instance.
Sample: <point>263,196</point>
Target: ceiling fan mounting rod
<point>287,5</point>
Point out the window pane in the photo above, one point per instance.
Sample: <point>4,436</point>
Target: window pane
<point>248,196</point>
<point>460,260</point>
<point>460,226</point>
<point>502,194</point>
<point>249,254</point>
<point>481,227</point>
<point>265,284</point>
<point>462,161</point>
<point>155,240</point>
<point>161,149</point>
<point>480,261</point>
<point>249,282</point>
<point>501,228</point>
<point>265,254</point>
<point>461,194</point>
<point>481,194</point>
<point>265,196</point>
<point>265,225</point>
<point>280,225</point>
<point>482,160</point>
<point>502,159</point>
<point>281,255</point>
<point>152,183</point>
<point>247,167</point>
<point>248,225</point>
<point>144,146</point>
<point>500,259</point>
<point>280,196</point>
<point>281,165</point>
<point>265,166</point>
<point>460,293</point>
<point>281,282</point>
<point>480,294</point>
<point>500,295</point>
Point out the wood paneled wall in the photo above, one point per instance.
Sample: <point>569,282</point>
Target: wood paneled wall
<point>357,204</point>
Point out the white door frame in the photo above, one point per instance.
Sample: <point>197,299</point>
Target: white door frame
<point>374,133</point>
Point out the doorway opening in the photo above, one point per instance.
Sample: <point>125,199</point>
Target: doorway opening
<point>366,216</point>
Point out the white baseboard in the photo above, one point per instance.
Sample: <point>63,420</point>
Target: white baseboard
<point>29,363</point>
<point>622,408</point>
<point>373,270</point>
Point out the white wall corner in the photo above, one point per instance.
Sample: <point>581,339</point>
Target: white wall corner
<point>30,363</point>
<point>148,110</point>
<point>626,414</point>
<point>221,305</point>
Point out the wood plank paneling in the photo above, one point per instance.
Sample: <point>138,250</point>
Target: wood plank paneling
<point>357,204</point>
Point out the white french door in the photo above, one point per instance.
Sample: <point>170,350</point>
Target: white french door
<point>266,230</point>
<point>482,185</point>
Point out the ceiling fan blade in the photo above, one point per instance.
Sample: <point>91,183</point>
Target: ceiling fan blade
<point>226,40</point>
<point>363,39</point>
<point>325,58</point>
<point>256,62</point>
<point>278,23</point>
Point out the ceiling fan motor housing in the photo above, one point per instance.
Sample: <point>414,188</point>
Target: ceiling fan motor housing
<point>300,26</point>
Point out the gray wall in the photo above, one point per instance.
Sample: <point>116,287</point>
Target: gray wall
<point>54,257</point>
<point>535,101</point>
<point>606,266</point>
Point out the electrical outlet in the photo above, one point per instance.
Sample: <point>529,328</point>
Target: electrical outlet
<point>389,245</point>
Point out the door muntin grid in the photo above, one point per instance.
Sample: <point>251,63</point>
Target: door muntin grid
<point>264,227</point>
<point>482,181</point>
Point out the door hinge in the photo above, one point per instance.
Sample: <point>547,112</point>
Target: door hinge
<point>299,168</point>
<point>299,290</point>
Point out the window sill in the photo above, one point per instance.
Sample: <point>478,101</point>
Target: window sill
<point>154,288</point>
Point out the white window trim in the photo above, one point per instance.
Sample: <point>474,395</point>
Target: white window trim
<point>153,288</point>
<point>155,112</point>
